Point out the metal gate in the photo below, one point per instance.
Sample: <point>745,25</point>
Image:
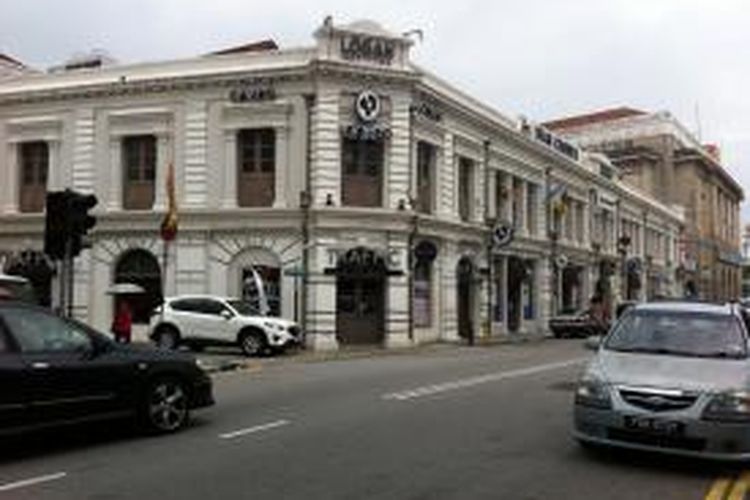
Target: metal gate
<point>360,297</point>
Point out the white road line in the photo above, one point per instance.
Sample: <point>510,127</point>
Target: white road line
<point>252,430</point>
<point>429,390</point>
<point>32,481</point>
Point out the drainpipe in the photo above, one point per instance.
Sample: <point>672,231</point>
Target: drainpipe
<point>490,263</point>
<point>305,205</point>
<point>414,228</point>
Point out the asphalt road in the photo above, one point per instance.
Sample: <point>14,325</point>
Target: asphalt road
<point>447,422</point>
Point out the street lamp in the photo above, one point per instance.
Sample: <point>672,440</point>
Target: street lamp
<point>623,242</point>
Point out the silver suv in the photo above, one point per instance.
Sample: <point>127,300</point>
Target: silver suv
<point>200,320</point>
<point>671,377</point>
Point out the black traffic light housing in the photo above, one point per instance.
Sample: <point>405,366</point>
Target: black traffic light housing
<point>80,221</point>
<point>68,221</point>
<point>56,225</point>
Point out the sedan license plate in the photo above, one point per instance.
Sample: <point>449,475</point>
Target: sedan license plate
<point>654,425</point>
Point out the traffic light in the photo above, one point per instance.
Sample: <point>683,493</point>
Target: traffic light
<point>55,224</point>
<point>67,220</point>
<point>80,222</point>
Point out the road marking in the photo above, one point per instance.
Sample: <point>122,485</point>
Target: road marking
<point>32,481</point>
<point>741,487</point>
<point>252,430</point>
<point>719,489</point>
<point>482,379</point>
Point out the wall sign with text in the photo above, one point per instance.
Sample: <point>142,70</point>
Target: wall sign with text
<point>368,48</point>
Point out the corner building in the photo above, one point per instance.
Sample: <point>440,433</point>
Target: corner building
<point>361,188</point>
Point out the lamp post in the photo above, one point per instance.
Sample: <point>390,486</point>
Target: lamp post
<point>553,236</point>
<point>623,242</point>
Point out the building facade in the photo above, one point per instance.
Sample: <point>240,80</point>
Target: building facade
<point>364,194</point>
<point>659,156</point>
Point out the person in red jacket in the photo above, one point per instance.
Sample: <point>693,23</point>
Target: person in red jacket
<point>123,323</point>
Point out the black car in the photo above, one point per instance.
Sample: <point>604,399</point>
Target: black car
<point>58,371</point>
<point>576,324</point>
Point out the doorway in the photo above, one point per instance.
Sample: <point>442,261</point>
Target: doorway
<point>360,297</point>
<point>465,299</point>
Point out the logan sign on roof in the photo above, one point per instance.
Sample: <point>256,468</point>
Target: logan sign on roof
<point>363,47</point>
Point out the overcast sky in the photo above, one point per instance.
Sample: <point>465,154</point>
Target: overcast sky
<point>540,58</point>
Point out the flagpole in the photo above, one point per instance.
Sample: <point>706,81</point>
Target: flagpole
<point>165,264</point>
<point>168,229</point>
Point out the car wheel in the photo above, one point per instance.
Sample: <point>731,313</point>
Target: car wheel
<point>167,338</point>
<point>252,343</point>
<point>165,406</point>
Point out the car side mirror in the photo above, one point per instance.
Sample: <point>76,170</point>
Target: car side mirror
<point>226,314</point>
<point>593,342</point>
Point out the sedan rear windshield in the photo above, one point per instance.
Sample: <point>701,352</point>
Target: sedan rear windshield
<point>679,334</point>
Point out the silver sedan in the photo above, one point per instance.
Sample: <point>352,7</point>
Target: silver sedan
<point>670,377</point>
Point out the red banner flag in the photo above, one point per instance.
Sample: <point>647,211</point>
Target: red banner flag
<point>169,223</point>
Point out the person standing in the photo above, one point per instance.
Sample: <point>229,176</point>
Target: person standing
<point>598,312</point>
<point>122,324</point>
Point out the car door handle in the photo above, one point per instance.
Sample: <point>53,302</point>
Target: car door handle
<point>40,365</point>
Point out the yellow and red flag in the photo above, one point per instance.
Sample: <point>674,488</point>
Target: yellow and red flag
<point>169,223</point>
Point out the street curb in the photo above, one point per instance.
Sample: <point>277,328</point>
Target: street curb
<point>254,365</point>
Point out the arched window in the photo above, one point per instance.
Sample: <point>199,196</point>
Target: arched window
<point>255,277</point>
<point>141,268</point>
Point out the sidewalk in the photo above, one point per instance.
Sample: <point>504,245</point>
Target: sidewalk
<point>231,359</point>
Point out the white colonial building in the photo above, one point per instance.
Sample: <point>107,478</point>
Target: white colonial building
<point>363,189</point>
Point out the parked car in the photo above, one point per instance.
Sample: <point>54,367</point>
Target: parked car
<point>576,324</point>
<point>58,371</point>
<point>198,321</point>
<point>16,287</point>
<point>669,377</point>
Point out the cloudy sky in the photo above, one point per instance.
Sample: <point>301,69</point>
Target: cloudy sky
<point>540,58</point>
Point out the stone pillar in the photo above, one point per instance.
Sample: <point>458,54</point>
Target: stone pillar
<point>321,301</point>
<point>397,313</point>
<point>83,173</point>
<point>100,313</point>
<point>325,175</point>
<point>448,198</point>
<point>54,172</point>
<point>115,175</point>
<point>281,167</point>
<point>397,297</point>
<point>396,181</point>
<point>163,158</point>
<point>509,195</point>
<point>504,293</point>
<point>522,187</point>
<point>195,155</point>
<point>586,225</point>
<point>170,280</point>
<point>491,194</point>
<point>484,325</point>
<point>449,260</point>
<point>229,171</point>
<point>82,290</point>
<point>478,190</point>
<point>543,281</point>
<point>12,176</point>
